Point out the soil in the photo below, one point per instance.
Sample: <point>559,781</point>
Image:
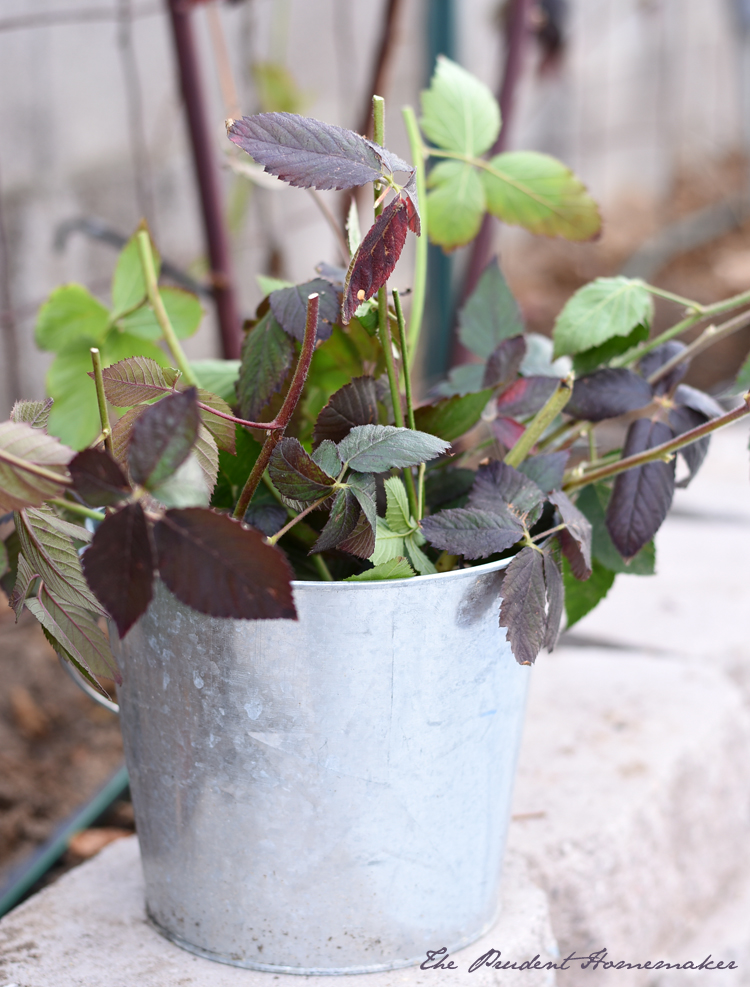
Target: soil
<point>57,747</point>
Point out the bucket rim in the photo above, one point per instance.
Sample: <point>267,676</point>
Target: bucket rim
<point>339,584</point>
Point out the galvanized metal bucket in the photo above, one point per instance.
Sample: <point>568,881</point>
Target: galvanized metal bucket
<point>329,795</point>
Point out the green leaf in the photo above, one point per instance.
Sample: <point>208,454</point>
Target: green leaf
<point>362,485</point>
<point>128,283</point>
<point>183,308</point>
<point>600,356</point>
<point>34,413</point>
<point>602,309</point>
<point>4,561</point>
<point>417,557</point>
<point>268,284</point>
<point>267,354</point>
<point>582,597</point>
<point>456,204</point>
<point>592,501</point>
<point>327,457</point>
<point>218,376</point>
<point>490,315</point>
<point>188,486</point>
<point>452,417</point>
<point>376,448</point>
<point>74,417</point>
<point>459,113</point>
<point>388,544</point>
<point>70,315</point>
<point>51,555</point>
<point>466,379</point>
<point>397,514</point>
<point>22,449</point>
<point>25,577</point>
<point>206,453</point>
<point>538,192</point>
<point>75,633</point>
<point>221,429</point>
<point>396,568</point>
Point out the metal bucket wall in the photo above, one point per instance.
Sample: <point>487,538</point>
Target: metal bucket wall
<point>327,795</point>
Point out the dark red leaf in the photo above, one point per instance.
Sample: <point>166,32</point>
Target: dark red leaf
<point>220,567</point>
<point>307,153</point>
<point>353,404</point>
<point>361,542</point>
<point>555,601</point>
<point>608,393</point>
<point>289,306</point>
<point>526,396</point>
<point>409,193</point>
<point>97,478</point>
<point>295,475</point>
<point>341,523</point>
<point>376,257</point>
<point>504,362</point>
<point>641,497</point>
<point>471,532</point>
<point>507,431</point>
<point>523,608</point>
<point>162,438</point>
<point>575,539</point>
<point>119,566</point>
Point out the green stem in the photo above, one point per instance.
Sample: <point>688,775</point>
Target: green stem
<point>79,509</point>
<point>540,423</point>
<point>320,564</point>
<point>663,452</point>
<point>419,291</point>
<point>287,409</point>
<point>404,361</point>
<point>101,398</point>
<point>297,517</point>
<point>152,290</point>
<point>671,297</point>
<point>44,474</point>
<point>545,534</point>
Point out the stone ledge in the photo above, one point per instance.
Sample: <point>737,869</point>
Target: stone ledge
<point>90,930</point>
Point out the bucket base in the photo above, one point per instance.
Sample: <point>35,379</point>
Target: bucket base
<point>206,954</point>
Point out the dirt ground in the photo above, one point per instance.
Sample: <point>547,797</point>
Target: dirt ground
<point>57,747</point>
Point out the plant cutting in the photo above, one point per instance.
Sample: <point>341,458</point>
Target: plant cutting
<point>306,571</point>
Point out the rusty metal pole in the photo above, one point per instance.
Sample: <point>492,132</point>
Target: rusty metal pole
<point>201,139</point>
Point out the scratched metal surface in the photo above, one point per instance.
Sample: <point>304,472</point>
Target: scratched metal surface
<point>326,795</point>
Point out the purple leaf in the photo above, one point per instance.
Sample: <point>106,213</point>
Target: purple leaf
<point>651,362</point>
<point>683,419</point>
<point>353,404</point>
<point>136,379</point>
<point>523,608</point>
<point>119,566</point>
<point>575,539</point>
<point>507,431</point>
<point>409,193</point>
<point>331,272</point>
<point>162,438</point>
<point>641,497</point>
<point>361,542</point>
<point>296,476</point>
<point>122,432</point>
<point>555,601</point>
<point>376,257</point>
<point>471,532</point>
<point>97,478</point>
<point>342,521</point>
<point>268,518</point>
<point>546,469</point>
<point>526,396</point>
<point>391,162</point>
<point>289,306</point>
<point>218,566</point>
<point>699,401</point>
<point>608,393</point>
<point>498,487</point>
<point>267,354</point>
<point>307,153</point>
<point>504,362</point>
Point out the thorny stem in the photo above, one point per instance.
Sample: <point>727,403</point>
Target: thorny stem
<point>384,329</point>
<point>70,505</point>
<point>287,409</point>
<point>268,426</point>
<point>663,451</point>
<point>712,334</point>
<point>272,539</point>
<point>101,398</point>
<point>540,423</point>
<point>152,290</point>
<point>419,290</point>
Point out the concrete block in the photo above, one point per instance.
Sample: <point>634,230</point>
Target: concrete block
<point>90,930</point>
<point>632,803</point>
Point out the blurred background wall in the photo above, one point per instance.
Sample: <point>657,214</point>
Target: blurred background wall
<point>643,98</point>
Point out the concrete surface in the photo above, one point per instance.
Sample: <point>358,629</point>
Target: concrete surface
<point>90,929</point>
